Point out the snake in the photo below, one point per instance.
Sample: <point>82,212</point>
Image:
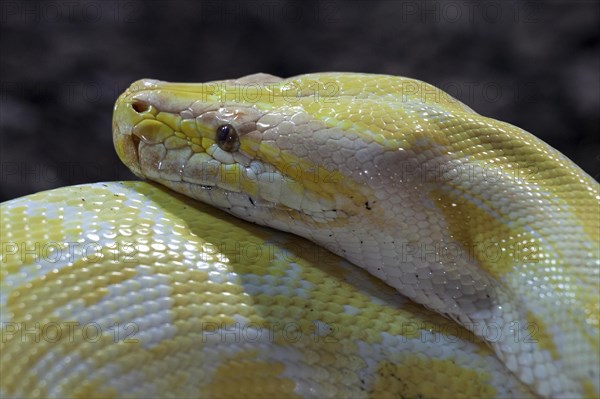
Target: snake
<point>325,235</point>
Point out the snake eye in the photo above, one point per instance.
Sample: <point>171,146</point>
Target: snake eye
<point>227,138</point>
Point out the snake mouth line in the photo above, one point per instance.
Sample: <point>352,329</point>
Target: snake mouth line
<point>137,145</point>
<point>201,191</point>
<point>227,199</point>
<point>137,142</point>
<point>220,197</point>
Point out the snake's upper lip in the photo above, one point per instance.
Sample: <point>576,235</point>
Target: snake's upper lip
<point>141,97</point>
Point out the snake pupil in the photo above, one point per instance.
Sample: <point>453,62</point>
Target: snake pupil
<point>227,138</point>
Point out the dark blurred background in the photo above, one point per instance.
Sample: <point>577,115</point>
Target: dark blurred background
<point>63,63</point>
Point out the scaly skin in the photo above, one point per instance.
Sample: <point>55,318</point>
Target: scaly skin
<point>472,217</point>
<point>130,290</point>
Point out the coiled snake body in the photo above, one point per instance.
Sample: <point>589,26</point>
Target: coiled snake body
<point>474,218</point>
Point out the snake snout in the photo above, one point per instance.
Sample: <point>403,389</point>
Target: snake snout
<point>128,112</point>
<point>134,117</point>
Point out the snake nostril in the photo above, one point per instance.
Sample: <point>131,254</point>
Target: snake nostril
<point>140,106</point>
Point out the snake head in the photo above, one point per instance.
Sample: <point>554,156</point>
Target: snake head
<point>247,146</point>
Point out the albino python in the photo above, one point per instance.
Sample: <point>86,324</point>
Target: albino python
<point>130,290</point>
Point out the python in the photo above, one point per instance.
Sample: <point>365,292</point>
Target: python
<point>363,131</point>
<point>359,132</point>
